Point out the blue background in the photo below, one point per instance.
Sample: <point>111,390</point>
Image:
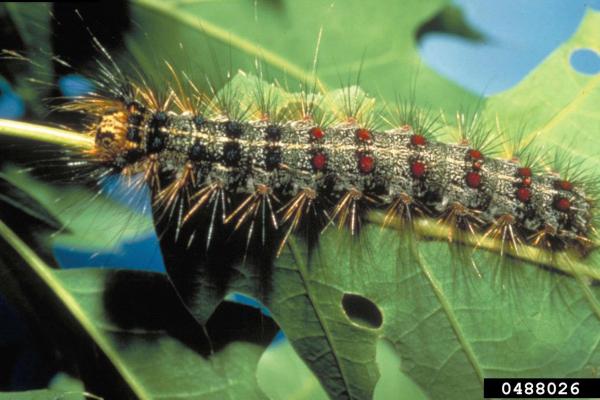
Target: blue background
<point>519,34</point>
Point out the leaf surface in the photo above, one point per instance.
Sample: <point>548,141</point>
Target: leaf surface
<point>454,316</point>
<point>145,339</point>
<point>355,41</point>
<point>91,222</point>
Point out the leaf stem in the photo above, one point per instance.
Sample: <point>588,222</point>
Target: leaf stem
<point>46,134</point>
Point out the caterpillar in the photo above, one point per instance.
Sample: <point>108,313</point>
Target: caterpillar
<point>260,161</point>
<point>273,158</point>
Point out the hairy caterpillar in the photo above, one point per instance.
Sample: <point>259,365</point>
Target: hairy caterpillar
<point>260,161</point>
<point>284,156</point>
<point>138,130</point>
<point>267,162</point>
<point>257,160</point>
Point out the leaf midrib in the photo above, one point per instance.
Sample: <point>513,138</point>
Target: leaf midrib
<point>302,270</point>
<point>452,319</point>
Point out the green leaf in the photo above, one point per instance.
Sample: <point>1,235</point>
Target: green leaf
<point>139,330</point>
<point>91,222</point>
<point>32,221</point>
<point>61,387</point>
<point>559,106</point>
<point>32,22</point>
<point>216,38</point>
<point>282,375</point>
<point>556,103</point>
<point>449,326</point>
<point>454,316</point>
<point>353,39</point>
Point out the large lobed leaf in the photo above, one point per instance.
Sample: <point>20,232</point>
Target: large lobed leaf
<point>450,327</point>
<point>556,103</point>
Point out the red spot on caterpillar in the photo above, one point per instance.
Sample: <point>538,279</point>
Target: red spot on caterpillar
<point>366,164</point>
<point>524,172</point>
<point>418,169</point>
<point>363,135</point>
<point>565,185</point>
<point>477,164</point>
<point>523,194</point>
<point>319,161</point>
<point>475,154</point>
<point>317,133</point>
<point>526,181</point>
<point>562,204</point>
<point>418,140</point>
<point>473,179</point>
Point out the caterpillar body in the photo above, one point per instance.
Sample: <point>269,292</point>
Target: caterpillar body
<point>287,165</point>
<point>260,163</point>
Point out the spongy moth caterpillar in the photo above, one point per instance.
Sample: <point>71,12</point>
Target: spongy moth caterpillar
<point>270,158</point>
<point>184,140</point>
<point>234,167</point>
<point>210,153</point>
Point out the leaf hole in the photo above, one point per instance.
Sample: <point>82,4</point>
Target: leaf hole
<point>362,311</point>
<point>586,61</point>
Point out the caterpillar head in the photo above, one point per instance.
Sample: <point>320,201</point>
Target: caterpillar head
<point>117,131</point>
<point>110,130</point>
